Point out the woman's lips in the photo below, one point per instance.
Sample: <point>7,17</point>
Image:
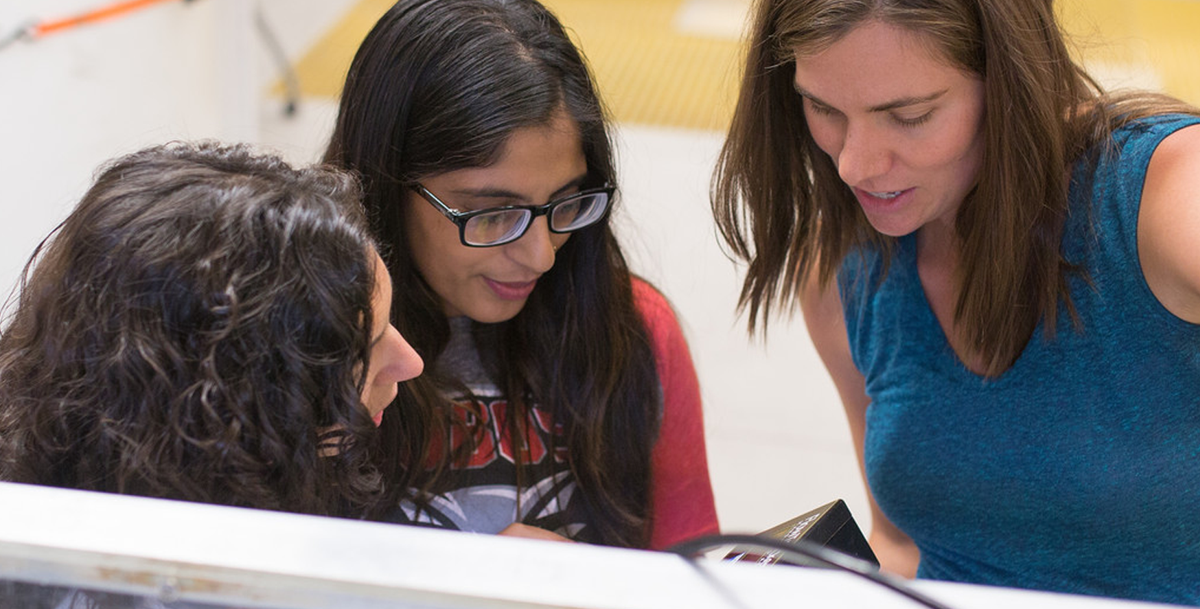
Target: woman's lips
<point>511,290</point>
<point>882,199</point>
<point>378,417</point>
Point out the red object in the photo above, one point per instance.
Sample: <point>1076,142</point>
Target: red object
<point>682,503</point>
<point>100,14</point>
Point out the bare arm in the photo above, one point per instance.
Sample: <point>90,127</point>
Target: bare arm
<point>1169,224</point>
<point>823,316</point>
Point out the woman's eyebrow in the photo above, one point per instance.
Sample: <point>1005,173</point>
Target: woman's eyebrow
<point>894,104</point>
<point>500,193</point>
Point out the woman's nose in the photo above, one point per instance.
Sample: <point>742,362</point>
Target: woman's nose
<point>405,362</point>
<point>863,157</point>
<point>535,249</point>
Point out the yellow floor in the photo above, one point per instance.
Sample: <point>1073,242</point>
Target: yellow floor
<point>655,69</point>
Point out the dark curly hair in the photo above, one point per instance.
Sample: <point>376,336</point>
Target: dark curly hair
<point>197,329</point>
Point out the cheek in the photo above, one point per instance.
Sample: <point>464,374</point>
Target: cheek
<point>451,269</point>
<point>964,142</point>
<point>824,133</point>
<point>423,233</point>
<point>969,166</point>
<point>953,146</point>
<point>559,239</point>
<point>432,243</point>
<point>961,153</point>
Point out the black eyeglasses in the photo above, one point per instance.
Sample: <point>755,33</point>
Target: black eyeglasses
<point>500,225</point>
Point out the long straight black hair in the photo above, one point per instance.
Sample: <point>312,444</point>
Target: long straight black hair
<point>440,85</point>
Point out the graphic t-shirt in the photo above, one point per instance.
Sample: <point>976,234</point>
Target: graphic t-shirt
<point>485,497</point>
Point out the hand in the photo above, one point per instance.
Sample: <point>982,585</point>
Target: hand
<point>517,529</point>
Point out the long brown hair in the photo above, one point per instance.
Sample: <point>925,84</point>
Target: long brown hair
<point>195,330</point>
<point>781,206</point>
<point>440,85</point>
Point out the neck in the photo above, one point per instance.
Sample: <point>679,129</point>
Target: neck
<point>938,245</point>
<point>938,255</point>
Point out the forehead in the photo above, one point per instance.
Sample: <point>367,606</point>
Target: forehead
<point>382,296</point>
<point>533,162</point>
<point>556,144</point>
<point>872,62</point>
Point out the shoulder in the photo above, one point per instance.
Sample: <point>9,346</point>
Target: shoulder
<point>1176,156</point>
<point>1121,158</point>
<point>1151,129</point>
<point>1132,146</point>
<point>650,302</point>
<point>1169,223</point>
<point>656,312</point>
<point>672,357</point>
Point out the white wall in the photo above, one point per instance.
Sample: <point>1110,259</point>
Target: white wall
<point>777,439</point>
<point>71,100</point>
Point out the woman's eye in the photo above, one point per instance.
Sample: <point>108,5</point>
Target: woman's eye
<point>913,121</point>
<point>819,108</point>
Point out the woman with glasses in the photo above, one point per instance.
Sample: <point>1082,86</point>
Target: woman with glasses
<point>996,262</point>
<point>207,325</point>
<point>560,400</point>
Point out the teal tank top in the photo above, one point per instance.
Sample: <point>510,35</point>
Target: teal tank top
<point>1078,469</point>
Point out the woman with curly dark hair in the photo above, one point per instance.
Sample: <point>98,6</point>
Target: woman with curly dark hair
<point>561,395</point>
<point>207,325</point>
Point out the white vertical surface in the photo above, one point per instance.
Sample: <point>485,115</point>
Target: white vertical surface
<point>76,98</point>
<point>778,443</point>
<point>238,83</point>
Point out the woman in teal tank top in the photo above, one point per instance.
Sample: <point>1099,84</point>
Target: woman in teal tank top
<point>995,262</point>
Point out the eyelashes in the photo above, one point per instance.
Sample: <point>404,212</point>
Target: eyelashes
<point>913,122</point>
<point>823,110</point>
<point>819,108</point>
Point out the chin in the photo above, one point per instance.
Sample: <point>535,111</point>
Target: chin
<point>495,315</point>
<point>894,233</point>
<point>891,229</point>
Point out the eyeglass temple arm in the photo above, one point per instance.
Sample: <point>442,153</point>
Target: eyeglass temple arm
<point>442,207</point>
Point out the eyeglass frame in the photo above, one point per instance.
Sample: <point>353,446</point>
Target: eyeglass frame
<point>460,218</point>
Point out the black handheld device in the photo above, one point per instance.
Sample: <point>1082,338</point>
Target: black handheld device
<point>830,526</point>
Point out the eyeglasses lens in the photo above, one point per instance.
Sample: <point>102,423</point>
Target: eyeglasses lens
<point>579,212</point>
<point>496,227</point>
<point>507,225</point>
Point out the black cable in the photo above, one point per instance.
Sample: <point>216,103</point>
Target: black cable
<point>726,594</point>
<point>21,33</point>
<point>291,85</point>
<point>832,558</point>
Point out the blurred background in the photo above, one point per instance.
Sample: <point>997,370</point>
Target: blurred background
<point>269,72</point>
